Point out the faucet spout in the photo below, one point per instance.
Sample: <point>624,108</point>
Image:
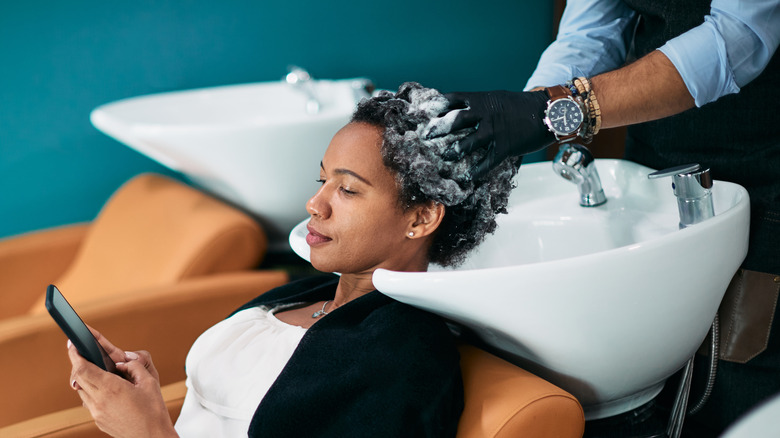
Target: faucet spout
<point>300,79</point>
<point>575,163</point>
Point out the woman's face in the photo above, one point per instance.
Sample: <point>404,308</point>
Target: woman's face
<point>357,223</point>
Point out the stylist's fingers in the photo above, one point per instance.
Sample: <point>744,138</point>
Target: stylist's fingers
<point>464,119</point>
<point>482,138</point>
<point>441,125</point>
<point>490,160</point>
<point>456,100</point>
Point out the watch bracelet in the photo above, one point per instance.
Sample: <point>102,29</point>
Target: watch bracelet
<point>581,86</point>
<point>579,92</point>
<point>594,109</point>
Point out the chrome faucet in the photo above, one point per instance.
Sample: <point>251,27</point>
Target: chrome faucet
<point>575,163</point>
<point>300,79</point>
<point>692,186</point>
<point>361,88</point>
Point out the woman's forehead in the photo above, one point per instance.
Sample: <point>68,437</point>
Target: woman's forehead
<point>355,148</point>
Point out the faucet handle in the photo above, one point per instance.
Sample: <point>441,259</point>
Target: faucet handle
<point>689,181</point>
<point>678,170</point>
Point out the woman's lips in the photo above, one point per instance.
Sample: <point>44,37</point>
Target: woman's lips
<point>314,238</point>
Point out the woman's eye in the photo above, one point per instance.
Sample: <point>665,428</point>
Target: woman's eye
<point>342,189</point>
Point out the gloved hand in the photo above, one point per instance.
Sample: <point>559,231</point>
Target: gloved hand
<point>507,124</point>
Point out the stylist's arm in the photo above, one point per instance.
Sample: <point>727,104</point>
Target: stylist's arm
<point>128,407</point>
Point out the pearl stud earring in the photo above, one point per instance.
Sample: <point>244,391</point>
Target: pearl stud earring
<point>411,233</point>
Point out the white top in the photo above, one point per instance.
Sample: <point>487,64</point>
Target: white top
<point>230,367</point>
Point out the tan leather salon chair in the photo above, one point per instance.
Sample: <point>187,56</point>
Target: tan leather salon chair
<point>502,401</point>
<point>505,401</point>
<point>152,231</point>
<point>165,320</point>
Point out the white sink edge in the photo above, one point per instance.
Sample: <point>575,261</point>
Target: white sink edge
<point>299,246</point>
<point>744,204</point>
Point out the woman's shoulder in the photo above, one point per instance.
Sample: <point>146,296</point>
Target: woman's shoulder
<point>384,320</point>
<point>409,318</point>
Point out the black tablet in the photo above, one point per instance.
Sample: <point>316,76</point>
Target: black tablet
<point>76,330</point>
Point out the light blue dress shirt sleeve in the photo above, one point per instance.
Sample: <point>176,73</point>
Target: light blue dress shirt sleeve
<point>593,38</point>
<point>727,51</point>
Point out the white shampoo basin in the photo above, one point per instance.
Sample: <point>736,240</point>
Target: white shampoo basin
<point>606,302</point>
<point>255,145</point>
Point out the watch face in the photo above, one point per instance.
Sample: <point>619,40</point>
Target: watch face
<point>565,116</point>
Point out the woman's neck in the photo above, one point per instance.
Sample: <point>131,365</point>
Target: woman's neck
<point>355,285</point>
<point>352,286</point>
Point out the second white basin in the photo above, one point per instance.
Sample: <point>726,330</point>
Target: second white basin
<point>255,145</point>
<point>606,302</point>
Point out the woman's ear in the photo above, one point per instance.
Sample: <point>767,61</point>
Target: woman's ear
<point>425,219</point>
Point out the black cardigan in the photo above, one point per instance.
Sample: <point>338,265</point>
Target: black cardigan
<point>372,367</point>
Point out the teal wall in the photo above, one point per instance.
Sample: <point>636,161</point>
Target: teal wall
<point>60,59</point>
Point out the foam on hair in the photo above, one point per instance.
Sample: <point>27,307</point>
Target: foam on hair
<point>424,175</point>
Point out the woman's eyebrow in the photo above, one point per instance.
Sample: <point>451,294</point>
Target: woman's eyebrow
<point>348,172</point>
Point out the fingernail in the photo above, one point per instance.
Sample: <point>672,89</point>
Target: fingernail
<point>70,344</point>
<point>129,355</point>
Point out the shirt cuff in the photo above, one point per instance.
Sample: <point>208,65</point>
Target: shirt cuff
<point>551,75</point>
<point>699,55</point>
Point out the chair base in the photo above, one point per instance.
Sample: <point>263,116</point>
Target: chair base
<point>647,421</point>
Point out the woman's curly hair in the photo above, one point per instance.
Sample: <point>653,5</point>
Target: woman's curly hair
<point>423,175</point>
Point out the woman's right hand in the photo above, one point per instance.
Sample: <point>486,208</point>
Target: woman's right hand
<point>128,407</point>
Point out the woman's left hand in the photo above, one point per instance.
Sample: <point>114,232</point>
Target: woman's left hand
<point>132,406</point>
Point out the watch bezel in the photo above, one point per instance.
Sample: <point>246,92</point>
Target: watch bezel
<point>551,125</point>
<point>560,103</point>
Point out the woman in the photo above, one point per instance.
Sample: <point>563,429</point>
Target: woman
<point>331,356</point>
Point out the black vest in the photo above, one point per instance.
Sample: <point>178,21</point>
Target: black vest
<point>736,136</point>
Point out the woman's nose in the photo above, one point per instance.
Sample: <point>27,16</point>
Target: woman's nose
<point>317,206</point>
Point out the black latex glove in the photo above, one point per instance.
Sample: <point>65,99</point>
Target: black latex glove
<point>507,124</point>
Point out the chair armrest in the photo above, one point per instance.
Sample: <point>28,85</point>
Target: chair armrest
<point>505,401</point>
<point>173,394</point>
<point>163,320</point>
<point>30,262</point>
<point>78,423</point>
